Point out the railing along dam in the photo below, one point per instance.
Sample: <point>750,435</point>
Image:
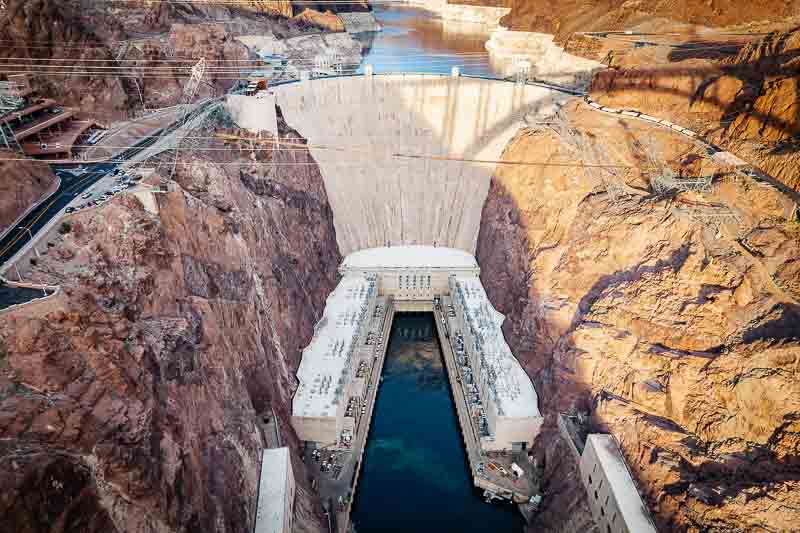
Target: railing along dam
<point>406,158</point>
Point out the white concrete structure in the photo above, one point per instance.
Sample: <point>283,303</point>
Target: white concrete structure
<point>615,503</point>
<point>548,60</point>
<point>326,370</point>
<point>411,273</point>
<point>391,149</point>
<point>276,489</point>
<point>510,403</point>
<point>412,276</point>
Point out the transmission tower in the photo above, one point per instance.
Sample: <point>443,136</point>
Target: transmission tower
<point>521,67</point>
<point>189,92</point>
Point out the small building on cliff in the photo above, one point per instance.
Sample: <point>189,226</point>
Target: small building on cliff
<point>616,505</point>
<point>276,490</point>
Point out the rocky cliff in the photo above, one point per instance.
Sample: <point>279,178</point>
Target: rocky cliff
<point>108,59</point>
<point>46,38</point>
<point>22,184</point>
<point>562,17</point>
<point>742,95</point>
<point>668,315</point>
<point>135,399</point>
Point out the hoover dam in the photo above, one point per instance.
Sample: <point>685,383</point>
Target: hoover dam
<point>406,158</point>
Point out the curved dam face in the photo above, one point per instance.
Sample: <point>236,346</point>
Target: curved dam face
<point>392,150</point>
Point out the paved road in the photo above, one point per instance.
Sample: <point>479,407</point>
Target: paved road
<point>72,185</point>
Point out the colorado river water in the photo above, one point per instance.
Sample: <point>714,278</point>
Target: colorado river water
<point>415,476</point>
<point>415,40</point>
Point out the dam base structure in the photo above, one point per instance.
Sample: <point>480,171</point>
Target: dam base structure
<point>496,403</point>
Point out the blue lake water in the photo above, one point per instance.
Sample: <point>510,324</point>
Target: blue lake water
<point>415,40</point>
<point>415,476</point>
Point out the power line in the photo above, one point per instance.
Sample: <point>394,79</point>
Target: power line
<point>254,61</point>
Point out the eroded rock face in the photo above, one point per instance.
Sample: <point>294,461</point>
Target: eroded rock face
<point>747,101</point>
<point>53,30</point>
<point>676,331</point>
<point>563,17</point>
<point>134,400</point>
<point>22,184</point>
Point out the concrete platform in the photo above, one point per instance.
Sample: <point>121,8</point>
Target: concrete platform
<point>335,487</point>
<point>519,491</point>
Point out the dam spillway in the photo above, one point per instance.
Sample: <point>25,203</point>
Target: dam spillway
<point>399,153</point>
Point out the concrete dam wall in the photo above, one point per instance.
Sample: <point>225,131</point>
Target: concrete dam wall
<point>389,148</point>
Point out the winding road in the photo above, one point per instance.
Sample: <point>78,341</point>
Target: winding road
<point>72,185</point>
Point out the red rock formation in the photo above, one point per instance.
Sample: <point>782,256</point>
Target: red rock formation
<point>677,332</point>
<point>749,103</point>
<point>327,20</point>
<point>563,17</point>
<point>22,184</point>
<point>133,401</point>
<point>39,35</point>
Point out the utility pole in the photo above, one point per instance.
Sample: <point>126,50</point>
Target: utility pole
<point>189,92</point>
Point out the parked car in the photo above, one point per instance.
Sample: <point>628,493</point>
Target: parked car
<point>69,210</point>
<point>86,196</point>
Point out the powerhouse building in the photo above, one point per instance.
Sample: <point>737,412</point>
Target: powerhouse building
<point>327,368</point>
<point>510,403</point>
<point>413,277</point>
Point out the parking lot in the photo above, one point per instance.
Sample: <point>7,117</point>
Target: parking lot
<point>113,183</point>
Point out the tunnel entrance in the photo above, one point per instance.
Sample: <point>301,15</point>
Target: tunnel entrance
<point>415,474</point>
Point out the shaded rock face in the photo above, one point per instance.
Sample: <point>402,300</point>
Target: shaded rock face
<point>746,99</point>
<point>22,184</point>
<point>134,400</point>
<point>676,332</point>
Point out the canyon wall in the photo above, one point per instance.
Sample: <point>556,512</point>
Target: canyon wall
<point>743,96</point>
<point>134,400</point>
<point>670,318</point>
<point>407,158</point>
<point>55,31</point>
<point>487,13</point>
<point>23,183</point>
<point>562,17</point>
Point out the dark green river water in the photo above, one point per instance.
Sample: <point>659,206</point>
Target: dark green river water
<point>415,476</point>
